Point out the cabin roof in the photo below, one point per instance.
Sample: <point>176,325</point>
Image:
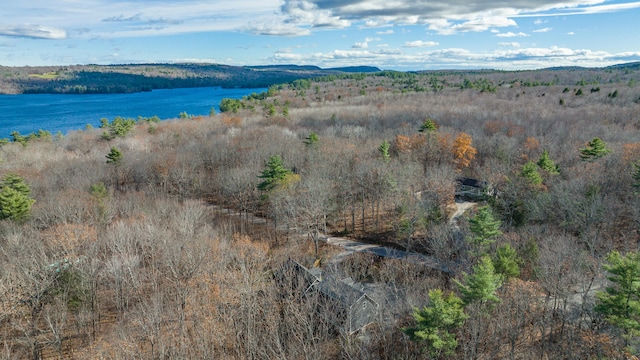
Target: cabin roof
<point>361,308</point>
<point>472,182</point>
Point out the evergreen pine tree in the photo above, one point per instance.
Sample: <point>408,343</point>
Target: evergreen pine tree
<point>428,126</point>
<point>14,205</point>
<point>311,140</point>
<point>545,163</point>
<point>15,198</point>
<point>596,148</point>
<point>636,174</point>
<point>274,173</point>
<point>114,156</point>
<point>436,322</point>
<point>384,151</point>
<point>620,303</point>
<point>506,262</point>
<point>530,172</point>
<point>17,183</point>
<point>484,229</point>
<point>481,285</point>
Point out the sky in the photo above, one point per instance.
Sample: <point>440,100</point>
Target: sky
<point>390,34</point>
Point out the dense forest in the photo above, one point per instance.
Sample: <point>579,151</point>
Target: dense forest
<point>104,79</point>
<point>208,237</point>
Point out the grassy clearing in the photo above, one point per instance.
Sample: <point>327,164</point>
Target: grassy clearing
<point>45,76</point>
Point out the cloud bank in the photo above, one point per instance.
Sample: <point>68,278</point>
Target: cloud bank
<point>443,16</point>
<point>511,56</point>
<point>34,32</point>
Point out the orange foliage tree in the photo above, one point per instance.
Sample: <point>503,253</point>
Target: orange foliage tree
<point>407,144</point>
<point>463,152</point>
<point>530,145</point>
<point>630,152</point>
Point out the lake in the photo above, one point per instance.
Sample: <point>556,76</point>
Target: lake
<point>29,113</point>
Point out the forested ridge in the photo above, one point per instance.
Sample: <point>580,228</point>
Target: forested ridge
<point>113,243</point>
<point>105,79</point>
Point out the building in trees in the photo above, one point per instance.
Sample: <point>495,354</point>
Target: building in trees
<point>473,189</point>
<point>354,308</point>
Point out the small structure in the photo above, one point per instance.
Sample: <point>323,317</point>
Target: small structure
<point>354,307</point>
<point>473,189</point>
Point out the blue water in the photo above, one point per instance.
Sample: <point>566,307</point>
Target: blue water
<point>29,113</point>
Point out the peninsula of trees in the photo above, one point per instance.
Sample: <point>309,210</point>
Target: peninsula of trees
<point>101,79</point>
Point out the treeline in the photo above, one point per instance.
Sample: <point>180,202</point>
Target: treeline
<point>93,79</point>
<point>123,255</point>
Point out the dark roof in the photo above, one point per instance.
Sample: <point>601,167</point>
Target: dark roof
<point>293,274</point>
<point>340,291</point>
<point>472,182</point>
<point>361,309</point>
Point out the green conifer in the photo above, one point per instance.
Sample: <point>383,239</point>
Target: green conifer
<point>114,156</point>
<point>15,198</point>
<point>506,262</point>
<point>384,151</point>
<point>636,174</point>
<point>428,126</point>
<point>596,148</point>
<point>481,285</point>
<point>484,229</point>
<point>436,323</point>
<point>530,172</point>
<point>273,174</point>
<point>620,303</point>
<point>545,163</point>
<point>311,140</point>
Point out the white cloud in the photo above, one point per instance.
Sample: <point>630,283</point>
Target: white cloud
<point>34,32</point>
<point>307,13</point>
<point>118,18</point>
<point>511,34</point>
<point>443,16</point>
<point>375,23</point>
<point>365,44</point>
<point>420,43</point>
<point>597,9</point>
<point>510,44</point>
<point>276,29</point>
<point>543,30</point>
<point>571,33</point>
<point>510,58</point>
<point>385,32</point>
<point>60,19</point>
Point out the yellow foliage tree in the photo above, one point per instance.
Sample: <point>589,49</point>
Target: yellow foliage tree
<point>463,152</point>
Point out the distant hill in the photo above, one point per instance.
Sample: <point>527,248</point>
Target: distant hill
<point>346,69</point>
<point>124,78</point>
<point>562,68</point>
<point>356,69</point>
<point>631,66</point>
<point>96,79</point>
<point>289,67</point>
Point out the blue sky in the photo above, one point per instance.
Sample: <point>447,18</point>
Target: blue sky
<point>390,34</point>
